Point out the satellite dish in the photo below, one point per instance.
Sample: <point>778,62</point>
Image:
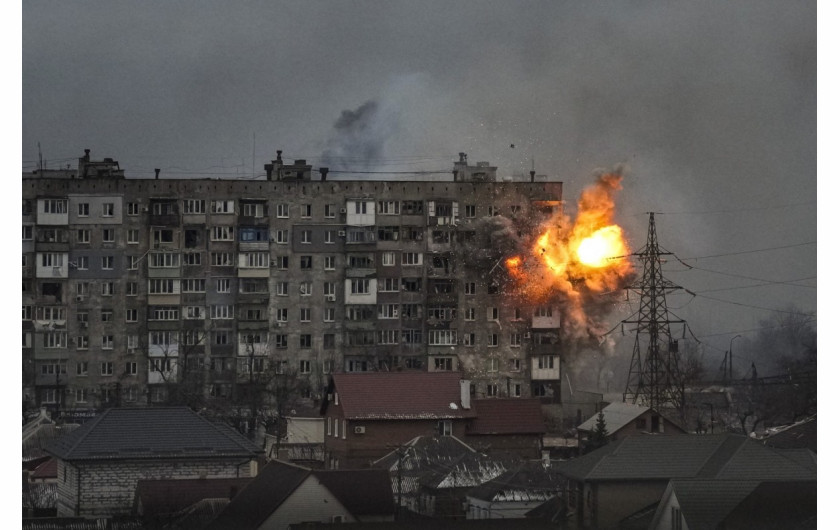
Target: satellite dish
<point>453,406</point>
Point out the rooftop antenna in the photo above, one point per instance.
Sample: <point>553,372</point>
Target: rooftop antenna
<point>655,378</point>
<point>40,159</point>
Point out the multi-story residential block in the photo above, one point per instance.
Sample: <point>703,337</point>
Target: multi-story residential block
<point>186,290</point>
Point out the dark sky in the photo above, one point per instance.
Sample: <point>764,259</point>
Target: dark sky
<point>711,106</point>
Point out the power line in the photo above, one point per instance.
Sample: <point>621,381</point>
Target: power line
<point>754,251</point>
<point>754,306</point>
<point>739,210</point>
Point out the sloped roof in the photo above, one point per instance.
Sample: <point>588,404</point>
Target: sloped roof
<point>705,502</point>
<point>46,470</point>
<point>528,482</point>
<point>616,416</point>
<point>400,395</point>
<point>507,416</point>
<point>360,491</point>
<point>801,435</point>
<point>661,457</point>
<point>261,497</point>
<point>168,496</point>
<point>776,506</point>
<point>153,432</point>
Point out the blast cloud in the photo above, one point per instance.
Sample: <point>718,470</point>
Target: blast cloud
<point>358,138</point>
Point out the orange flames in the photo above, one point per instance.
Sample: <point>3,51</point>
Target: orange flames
<point>586,257</point>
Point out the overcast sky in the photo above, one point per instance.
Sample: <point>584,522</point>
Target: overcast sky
<point>711,106</point>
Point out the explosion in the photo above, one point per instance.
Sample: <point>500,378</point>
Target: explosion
<point>577,264</point>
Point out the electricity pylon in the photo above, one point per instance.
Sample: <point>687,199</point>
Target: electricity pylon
<point>655,379</point>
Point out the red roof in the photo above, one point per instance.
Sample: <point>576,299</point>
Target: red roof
<point>48,469</point>
<point>401,395</point>
<point>507,416</point>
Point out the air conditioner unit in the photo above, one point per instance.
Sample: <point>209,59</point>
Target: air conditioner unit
<point>144,210</point>
<point>330,298</point>
<point>358,430</point>
<point>274,263</point>
<point>342,233</point>
<point>343,210</point>
<point>80,298</point>
<point>280,323</point>
<point>527,335</point>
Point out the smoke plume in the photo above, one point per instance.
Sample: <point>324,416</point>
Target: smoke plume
<point>358,138</point>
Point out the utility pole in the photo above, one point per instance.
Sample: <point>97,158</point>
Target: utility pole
<point>654,379</point>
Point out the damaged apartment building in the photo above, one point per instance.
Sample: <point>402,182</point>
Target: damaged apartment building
<point>157,290</point>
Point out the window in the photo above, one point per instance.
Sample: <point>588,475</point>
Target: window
<point>389,336</point>
<point>469,339</point>
<point>305,262</point>
<point>162,286</point>
<point>412,336</point>
<point>283,237</point>
<point>305,314</point>
<point>329,211</point>
<point>160,365</point>
<point>543,311</point>
<point>493,339</point>
<point>444,427</point>
<point>107,209</point>
<point>82,368</point>
<point>388,207</point>
<point>54,260</point>
<point>164,260</point>
<point>329,236</point>
<point>492,313</point>
<point>222,312</point>
<point>389,233</point>
<point>193,285</point>
<point>253,260</point>
<point>221,259</point>
<point>469,210</point>
<point>387,285</point>
<point>306,236</point>
<point>469,313</point>
<point>27,232</point>
<point>84,209</point>
<point>306,342</point>
<point>194,206</point>
<point>133,208</point>
<point>305,367</point>
<point>282,262</point>
<point>492,365</point>
<point>282,341</point>
<point>221,233</point>
<point>515,340</point>
<point>107,342</point>
<point>443,363</point>
<point>360,207</point>
<point>492,288</point>
<point>223,285</point>
<point>492,390</point>
<point>305,288</point>
<point>282,314</point>
<point>107,315</point>
<point>132,342</point>
<point>221,206</point>
<point>251,209</point>
<point>469,288</point>
<point>329,263</point>
<point>329,341</point>
<point>131,368</point>
<point>389,259</point>
<point>131,315</point>
<point>443,337</point>
<point>329,289</point>
<point>55,206</point>
<point>412,258</point>
<point>194,312</point>
<point>107,288</point>
<point>131,289</point>
<point>83,236</point>
<point>163,235</point>
<point>283,210</point>
<point>359,286</point>
<point>545,361</point>
<point>676,518</point>
<point>306,210</point>
<point>133,236</point>
<point>282,288</point>
<point>389,311</point>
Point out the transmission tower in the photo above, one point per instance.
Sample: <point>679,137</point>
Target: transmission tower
<point>655,378</point>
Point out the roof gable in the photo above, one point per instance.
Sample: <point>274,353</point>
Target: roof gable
<point>158,497</point>
<point>507,416</point>
<point>375,498</point>
<point>154,432</point>
<point>400,395</point>
<point>616,416</point>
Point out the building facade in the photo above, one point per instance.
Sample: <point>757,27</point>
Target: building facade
<point>144,291</point>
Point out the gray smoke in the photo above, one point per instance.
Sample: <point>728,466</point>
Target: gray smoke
<point>358,138</point>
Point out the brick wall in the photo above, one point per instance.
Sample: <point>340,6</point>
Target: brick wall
<point>107,488</point>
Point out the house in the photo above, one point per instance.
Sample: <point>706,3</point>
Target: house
<point>512,426</point>
<point>431,475</point>
<point>284,494</point>
<point>802,434</point>
<point>365,414</point>
<point>160,502</point>
<point>515,492</point>
<point>101,462</point>
<point>303,441</point>
<point>631,474</point>
<point>699,504</point>
<point>628,419</point>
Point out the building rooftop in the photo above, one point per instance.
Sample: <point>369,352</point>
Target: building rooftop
<point>399,395</point>
<point>154,432</point>
<point>165,497</point>
<point>616,416</point>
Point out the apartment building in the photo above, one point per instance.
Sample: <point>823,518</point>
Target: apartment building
<point>154,290</point>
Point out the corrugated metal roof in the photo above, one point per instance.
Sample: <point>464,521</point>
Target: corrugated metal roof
<point>405,395</point>
<point>616,416</point>
<point>153,432</point>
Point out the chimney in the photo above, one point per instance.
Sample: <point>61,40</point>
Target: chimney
<point>157,173</point>
<point>532,175</point>
<point>324,171</point>
<point>87,155</point>
<point>279,157</point>
<point>465,393</point>
<point>462,158</point>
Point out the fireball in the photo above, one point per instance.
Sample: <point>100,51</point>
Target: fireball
<point>604,245</point>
